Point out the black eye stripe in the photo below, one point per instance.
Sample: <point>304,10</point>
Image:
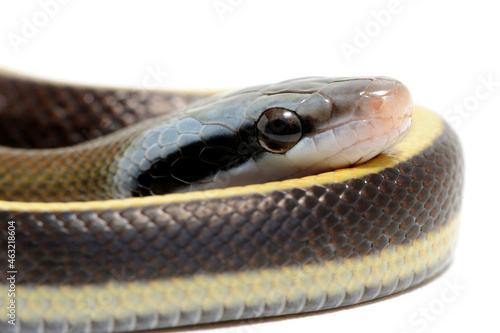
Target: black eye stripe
<point>278,130</point>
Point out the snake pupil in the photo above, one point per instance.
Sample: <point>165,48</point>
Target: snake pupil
<point>278,126</point>
<point>278,130</point>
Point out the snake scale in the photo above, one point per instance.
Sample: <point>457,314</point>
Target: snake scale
<point>136,210</point>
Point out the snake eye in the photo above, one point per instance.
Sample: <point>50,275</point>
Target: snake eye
<point>278,130</point>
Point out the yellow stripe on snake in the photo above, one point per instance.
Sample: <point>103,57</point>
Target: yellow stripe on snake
<point>305,195</point>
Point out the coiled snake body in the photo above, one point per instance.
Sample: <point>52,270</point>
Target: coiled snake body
<point>225,209</point>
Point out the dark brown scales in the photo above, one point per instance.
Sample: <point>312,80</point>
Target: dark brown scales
<point>35,114</point>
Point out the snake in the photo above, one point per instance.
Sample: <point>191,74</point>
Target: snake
<point>133,209</point>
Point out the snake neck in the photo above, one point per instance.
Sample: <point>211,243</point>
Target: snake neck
<point>79,173</point>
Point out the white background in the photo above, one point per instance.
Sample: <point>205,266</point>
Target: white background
<point>443,51</point>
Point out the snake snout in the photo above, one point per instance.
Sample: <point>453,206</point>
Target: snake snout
<point>386,97</point>
<point>369,116</point>
<point>382,117</point>
<point>389,105</point>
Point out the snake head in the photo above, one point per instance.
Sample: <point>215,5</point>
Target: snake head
<point>313,125</point>
<point>267,133</point>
